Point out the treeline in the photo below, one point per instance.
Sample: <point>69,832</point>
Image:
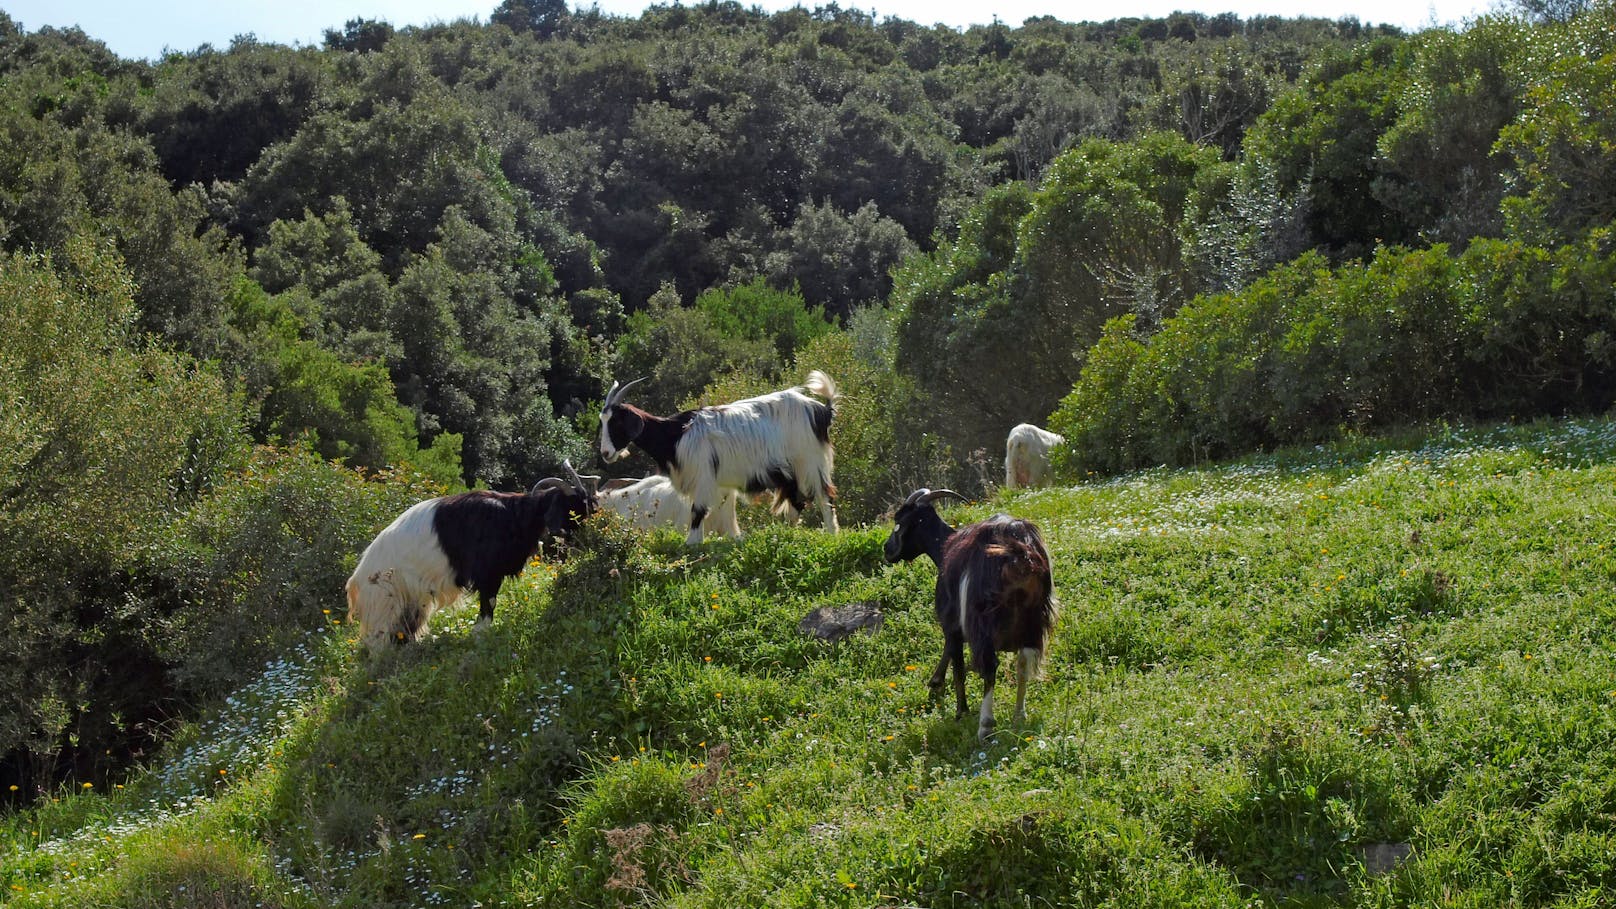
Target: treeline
<point>268,295</point>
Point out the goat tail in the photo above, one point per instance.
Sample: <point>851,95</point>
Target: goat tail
<point>824,386</point>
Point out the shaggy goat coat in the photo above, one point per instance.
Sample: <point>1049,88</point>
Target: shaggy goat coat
<point>437,550</point>
<point>1026,455</point>
<point>778,442</point>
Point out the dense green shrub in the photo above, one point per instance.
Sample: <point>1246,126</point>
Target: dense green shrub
<point>992,326</point>
<point>103,441</point>
<point>1501,330</point>
<point>262,561</point>
<point>146,558</point>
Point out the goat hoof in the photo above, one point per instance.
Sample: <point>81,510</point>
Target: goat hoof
<point>483,624</point>
<point>984,731</point>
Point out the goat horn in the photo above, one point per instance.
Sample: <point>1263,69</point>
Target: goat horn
<point>932,495</point>
<point>577,482</point>
<point>615,396</point>
<point>546,483</point>
<point>915,496</point>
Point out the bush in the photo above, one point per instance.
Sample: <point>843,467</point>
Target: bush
<point>262,562</point>
<point>146,557</point>
<point>103,440</point>
<point>1503,330</point>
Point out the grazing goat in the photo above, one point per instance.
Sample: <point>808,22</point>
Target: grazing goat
<point>438,549</point>
<point>994,590</point>
<point>653,502</point>
<point>1026,455</point>
<point>776,442</point>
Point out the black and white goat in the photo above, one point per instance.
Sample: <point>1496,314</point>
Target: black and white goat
<point>777,442</point>
<point>994,590</point>
<point>1026,455</point>
<point>653,502</point>
<point>438,549</point>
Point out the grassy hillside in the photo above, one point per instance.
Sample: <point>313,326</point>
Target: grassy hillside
<point>1265,672</point>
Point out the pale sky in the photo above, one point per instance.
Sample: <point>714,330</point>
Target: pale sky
<point>134,29</point>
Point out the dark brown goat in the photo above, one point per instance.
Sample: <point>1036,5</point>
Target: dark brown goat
<point>994,590</point>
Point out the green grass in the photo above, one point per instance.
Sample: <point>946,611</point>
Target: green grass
<point>1262,669</point>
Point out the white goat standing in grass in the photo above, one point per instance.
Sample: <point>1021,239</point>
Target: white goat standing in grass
<point>653,502</point>
<point>1026,455</point>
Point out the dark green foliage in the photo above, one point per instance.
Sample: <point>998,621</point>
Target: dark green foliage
<point>348,411</point>
<point>992,326</point>
<point>1322,138</point>
<point>1561,144</point>
<point>104,440</point>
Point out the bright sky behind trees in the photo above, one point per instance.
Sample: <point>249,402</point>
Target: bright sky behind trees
<point>146,29</point>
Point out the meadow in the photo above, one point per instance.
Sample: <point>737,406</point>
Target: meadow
<point>1374,673</point>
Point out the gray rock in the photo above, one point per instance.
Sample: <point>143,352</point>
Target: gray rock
<point>833,623</point>
<point>1381,858</point>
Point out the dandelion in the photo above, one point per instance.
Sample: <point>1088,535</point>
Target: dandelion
<point>326,611</point>
<point>910,668</point>
<point>706,659</point>
<point>89,785</point>
<point>892,684</point>
<point>418,836</point>
<point>718,811</point>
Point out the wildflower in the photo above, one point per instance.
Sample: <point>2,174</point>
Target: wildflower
<point>706,659</point>
<point>892,684</point>
<point>718,811</point>
<point>418,836</point>
<point>326,611</point>
<point>89,785</point>
<point>910,668</point>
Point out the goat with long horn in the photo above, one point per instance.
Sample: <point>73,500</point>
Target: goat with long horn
<point>439,549</point>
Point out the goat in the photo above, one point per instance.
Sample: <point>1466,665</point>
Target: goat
<point>440,548</point>
<point>653,502</point>
<point>994,590</point>
<point>776,442</point>
<point>1026,455</point>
